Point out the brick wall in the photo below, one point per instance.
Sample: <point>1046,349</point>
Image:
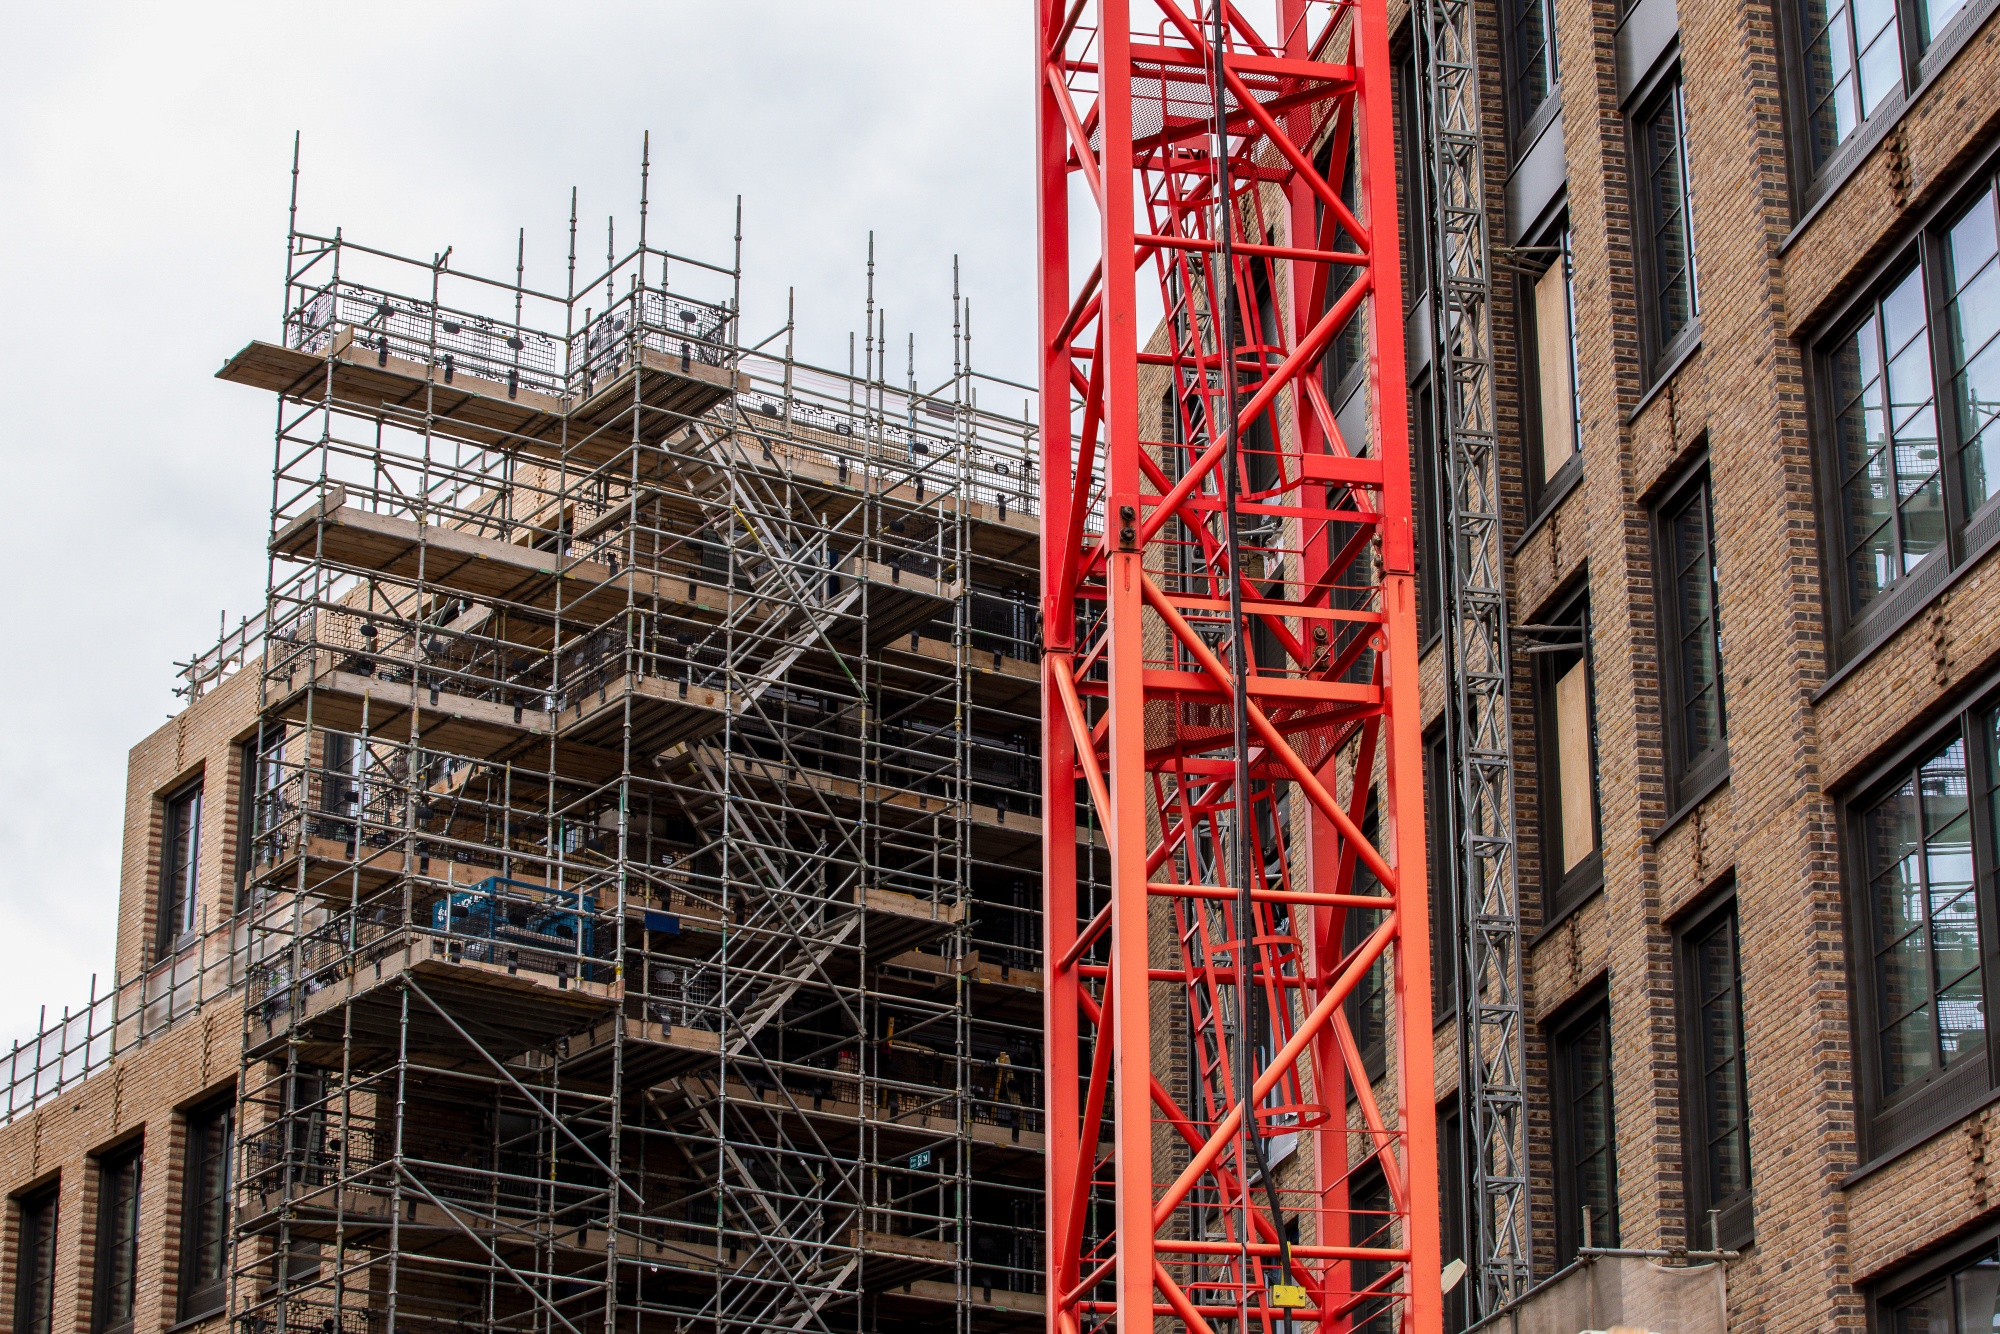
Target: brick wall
<point>1772,828</point>
<point>143,1094</point>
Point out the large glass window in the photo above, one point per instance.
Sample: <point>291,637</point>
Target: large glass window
<point>1586,1160</point>
<point>1920,857</point>
<point>1960,1297</point>
<point>1367,1006</point>
<point>1429,466</point>
<point>205,1210</point>
<point>1532,56</point>
<point>1441,857</point>
<point>1854,58</point>
<point>115,1270</point>
<point>1667,206</point>
<point>1414,187</point>
<point>1453,1189</point>
<point>1691,645</point>
<point>1349,350</point>
<point>35,1262</point>
<point>1911,392</point>
<point>1971,282</point>
<point>1930,996</point>
<point>1885,422</point>
<point>1370,1222</point>
<point>1718,1121</point>
<point>180,860</point>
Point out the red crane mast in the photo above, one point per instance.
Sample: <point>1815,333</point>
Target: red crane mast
<point>1241,1128</point>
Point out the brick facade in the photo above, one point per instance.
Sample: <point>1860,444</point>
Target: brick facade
<point>143,1095</point>
<point>1771,834</point>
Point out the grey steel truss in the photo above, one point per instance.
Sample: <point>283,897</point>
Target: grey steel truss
<point>1492,1052</point>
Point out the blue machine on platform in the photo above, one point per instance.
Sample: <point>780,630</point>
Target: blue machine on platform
<point>519,914</point>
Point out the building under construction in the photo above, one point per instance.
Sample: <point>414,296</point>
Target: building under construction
<point>604,887</point>
<point>614,853</point>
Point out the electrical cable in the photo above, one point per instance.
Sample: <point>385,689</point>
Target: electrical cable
<point>1225,323</point>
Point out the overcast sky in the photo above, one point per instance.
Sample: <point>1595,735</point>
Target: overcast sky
<point>145,153</point>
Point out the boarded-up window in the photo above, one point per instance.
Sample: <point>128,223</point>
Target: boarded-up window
<point>1555,358</point>
<point>1566,749</point>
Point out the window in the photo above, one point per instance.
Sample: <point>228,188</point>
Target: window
<point>1923,915</point>
<point>1931,996</point>
<point>1885,422</point>
<point>1854,55</point>
<point>1917,478</point>
<point>1556,436</point>
<point>1920,858</point>
<point>1586,1164</point>
<point>180,859</point>
<point>1532,57</point>
<point>1691,638</point>
<point>1666,205</point>
<point>1853,60</point>
<point>1970,260</point>
<point>1442,858</point>
<point>1349,350</point>
<point>1959,1294</point>
<point>259,783</point>
<point>1567,753</point>
<point>1367,1006</point>
<point>1371,1215</point>
<point>1429,464</point>
<point>116,1268</point>
<point>205,1210</point>
<point>1414,194</point>
<point>1452,1192</point>
<point>1715,1109</point>
<point>35,1262</point>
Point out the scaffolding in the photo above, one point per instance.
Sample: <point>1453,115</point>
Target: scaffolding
<point>646,817</point>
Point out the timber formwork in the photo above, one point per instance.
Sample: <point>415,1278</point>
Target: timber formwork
<point>647,774</point>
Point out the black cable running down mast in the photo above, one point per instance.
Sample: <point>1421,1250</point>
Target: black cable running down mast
<point>1224,315</point>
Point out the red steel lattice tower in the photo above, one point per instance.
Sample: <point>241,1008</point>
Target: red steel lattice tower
<point>1241,1130</point>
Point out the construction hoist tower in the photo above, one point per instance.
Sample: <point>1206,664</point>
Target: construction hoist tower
<point>1240,1105</point>
<point>1477,823</point>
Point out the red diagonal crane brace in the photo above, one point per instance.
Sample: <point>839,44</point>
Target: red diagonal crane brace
<point>1188,494</point>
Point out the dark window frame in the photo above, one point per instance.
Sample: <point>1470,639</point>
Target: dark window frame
<point>176,906</point>
<point>1967,536</point>
<point>1431,513</point>
<point>1735,1212</point>
<point>1441,867</point>
<point>1661,351</point>
<point>1367,1185</point>
<point>1526,119</point>
<point>1453,1225</point>
<point>248,801</point>
<point>113,1301</point>
<point>1594,1008</point>
<point>1546,489</point>
<point>36,1245</point>
<point>1885,1295</point>
<point>1564,891</point>
<point>1367,1006</point>
<point>1345,359</point>
<point>1891,1123</point>
<point>1413,186</point>
<point>205,1294</point>
<point>1918,64</point>
<point>1690,773</point>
